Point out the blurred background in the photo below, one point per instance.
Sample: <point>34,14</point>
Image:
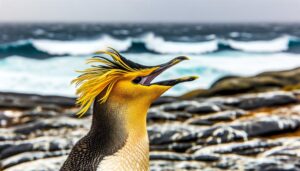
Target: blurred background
<point>42,43</point>
<point>244,115</point>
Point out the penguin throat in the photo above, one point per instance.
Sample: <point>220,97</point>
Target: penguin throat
<point>125,139</point>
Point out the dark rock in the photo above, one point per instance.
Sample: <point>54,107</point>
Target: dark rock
<point>178,106</point>
<point>176,147</point>
<point>266,100</point>
<point>39,114</point>
<point>219,116</point>
<point>45,164</point>
<point>156,114</point>
<point>268,125</point>
<point>11,136</point>
<point>231,138</point>
<point>31,101</point>
<point>242,131</point>
<point>28,156</point>
<point>63,122</point>
<point>205,108</point>
<point>205,157</point>
<point>160,135</point>
<point>220,134</point>
<point>51,144</point>
<point>161,138</point>
<point>170,156</point>
<point>276,167</point>
<point>164,100</point>
<point>248,148</point>
<point>199,121</point>
<point>225,163</point>
<point>226,115</point>
<point>236,85</point>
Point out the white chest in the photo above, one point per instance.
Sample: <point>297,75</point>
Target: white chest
<point>134,156</point>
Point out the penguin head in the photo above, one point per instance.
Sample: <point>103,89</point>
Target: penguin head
<point>123,80</point>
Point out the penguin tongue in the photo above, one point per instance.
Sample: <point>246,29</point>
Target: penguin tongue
<point>147,79</point>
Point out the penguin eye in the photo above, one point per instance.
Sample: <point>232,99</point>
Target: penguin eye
<point>137,80</point>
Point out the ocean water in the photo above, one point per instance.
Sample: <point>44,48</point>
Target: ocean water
<point>42,58</point>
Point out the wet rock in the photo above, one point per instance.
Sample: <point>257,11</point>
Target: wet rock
<point>159,165</point>
<point>46,164</point>
<point>178,106</point>
<point>9,136</point>
<point>200,121</point>
<point>176,147</point>
<point>29,156</point>
<point>225,163</point>
<point>230,85</point>
<point>220,134</point>
<point>30,101</point>
<point>157,114</point>
<point>268,125</point>
<point>248,148</point>
<point>228,115</point>
<point>49,144</point>
<point>276,167</point>
<point>48,124</point>
<point>164,100</point>
<point>58,100</point>
<point>229,136</point>
<point>203,108</point>
<point>169,156</point>
<point>266,100</point>
<point>167,137</point>
<point>206,157</point>
<point>165,134</point>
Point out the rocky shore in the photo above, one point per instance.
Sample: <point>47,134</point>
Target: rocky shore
<point>248,124</point>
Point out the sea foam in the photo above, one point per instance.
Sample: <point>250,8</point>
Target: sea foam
<point>152,43</point>
<point>159,45</point>
<point>276,45</point>
<point>80,47</point>
<point>52,76</point>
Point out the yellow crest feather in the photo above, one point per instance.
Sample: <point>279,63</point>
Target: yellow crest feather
<point>97,79</point>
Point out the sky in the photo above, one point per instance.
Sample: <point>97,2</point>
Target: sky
<point>178,11</point>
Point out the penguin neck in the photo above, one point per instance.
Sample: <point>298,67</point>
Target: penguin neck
<point>107,123</point>
<point>121,129</point>
<point>115,119</point>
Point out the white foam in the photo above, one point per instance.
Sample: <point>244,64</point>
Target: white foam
<point>53,76</point>
<point>158,44</point>
<point>276,45</point>
<point>80,47</point>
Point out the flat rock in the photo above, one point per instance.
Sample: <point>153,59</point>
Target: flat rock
<point>266,100</point>
<point>169,156</point>
<point>268,81</point>
<point>228,115</point>
<point>157,114</point>
<point>257,131</point>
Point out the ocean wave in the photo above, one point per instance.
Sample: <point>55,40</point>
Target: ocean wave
<point>276,45</point>
<point>159,45</point>
<point>83,47</point>
<point>149,43</point>
<point>53,75</point>
<point>59,47</point>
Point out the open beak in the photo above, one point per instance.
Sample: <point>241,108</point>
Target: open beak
<point>146,80</point>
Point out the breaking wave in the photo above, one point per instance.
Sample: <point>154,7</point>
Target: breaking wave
<point>148,43</point>
<point>53,76</point>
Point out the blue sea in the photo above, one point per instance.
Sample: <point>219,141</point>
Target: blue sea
<point>42,58</point>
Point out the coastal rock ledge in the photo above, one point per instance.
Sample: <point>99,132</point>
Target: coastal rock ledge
<point>248,131</point>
